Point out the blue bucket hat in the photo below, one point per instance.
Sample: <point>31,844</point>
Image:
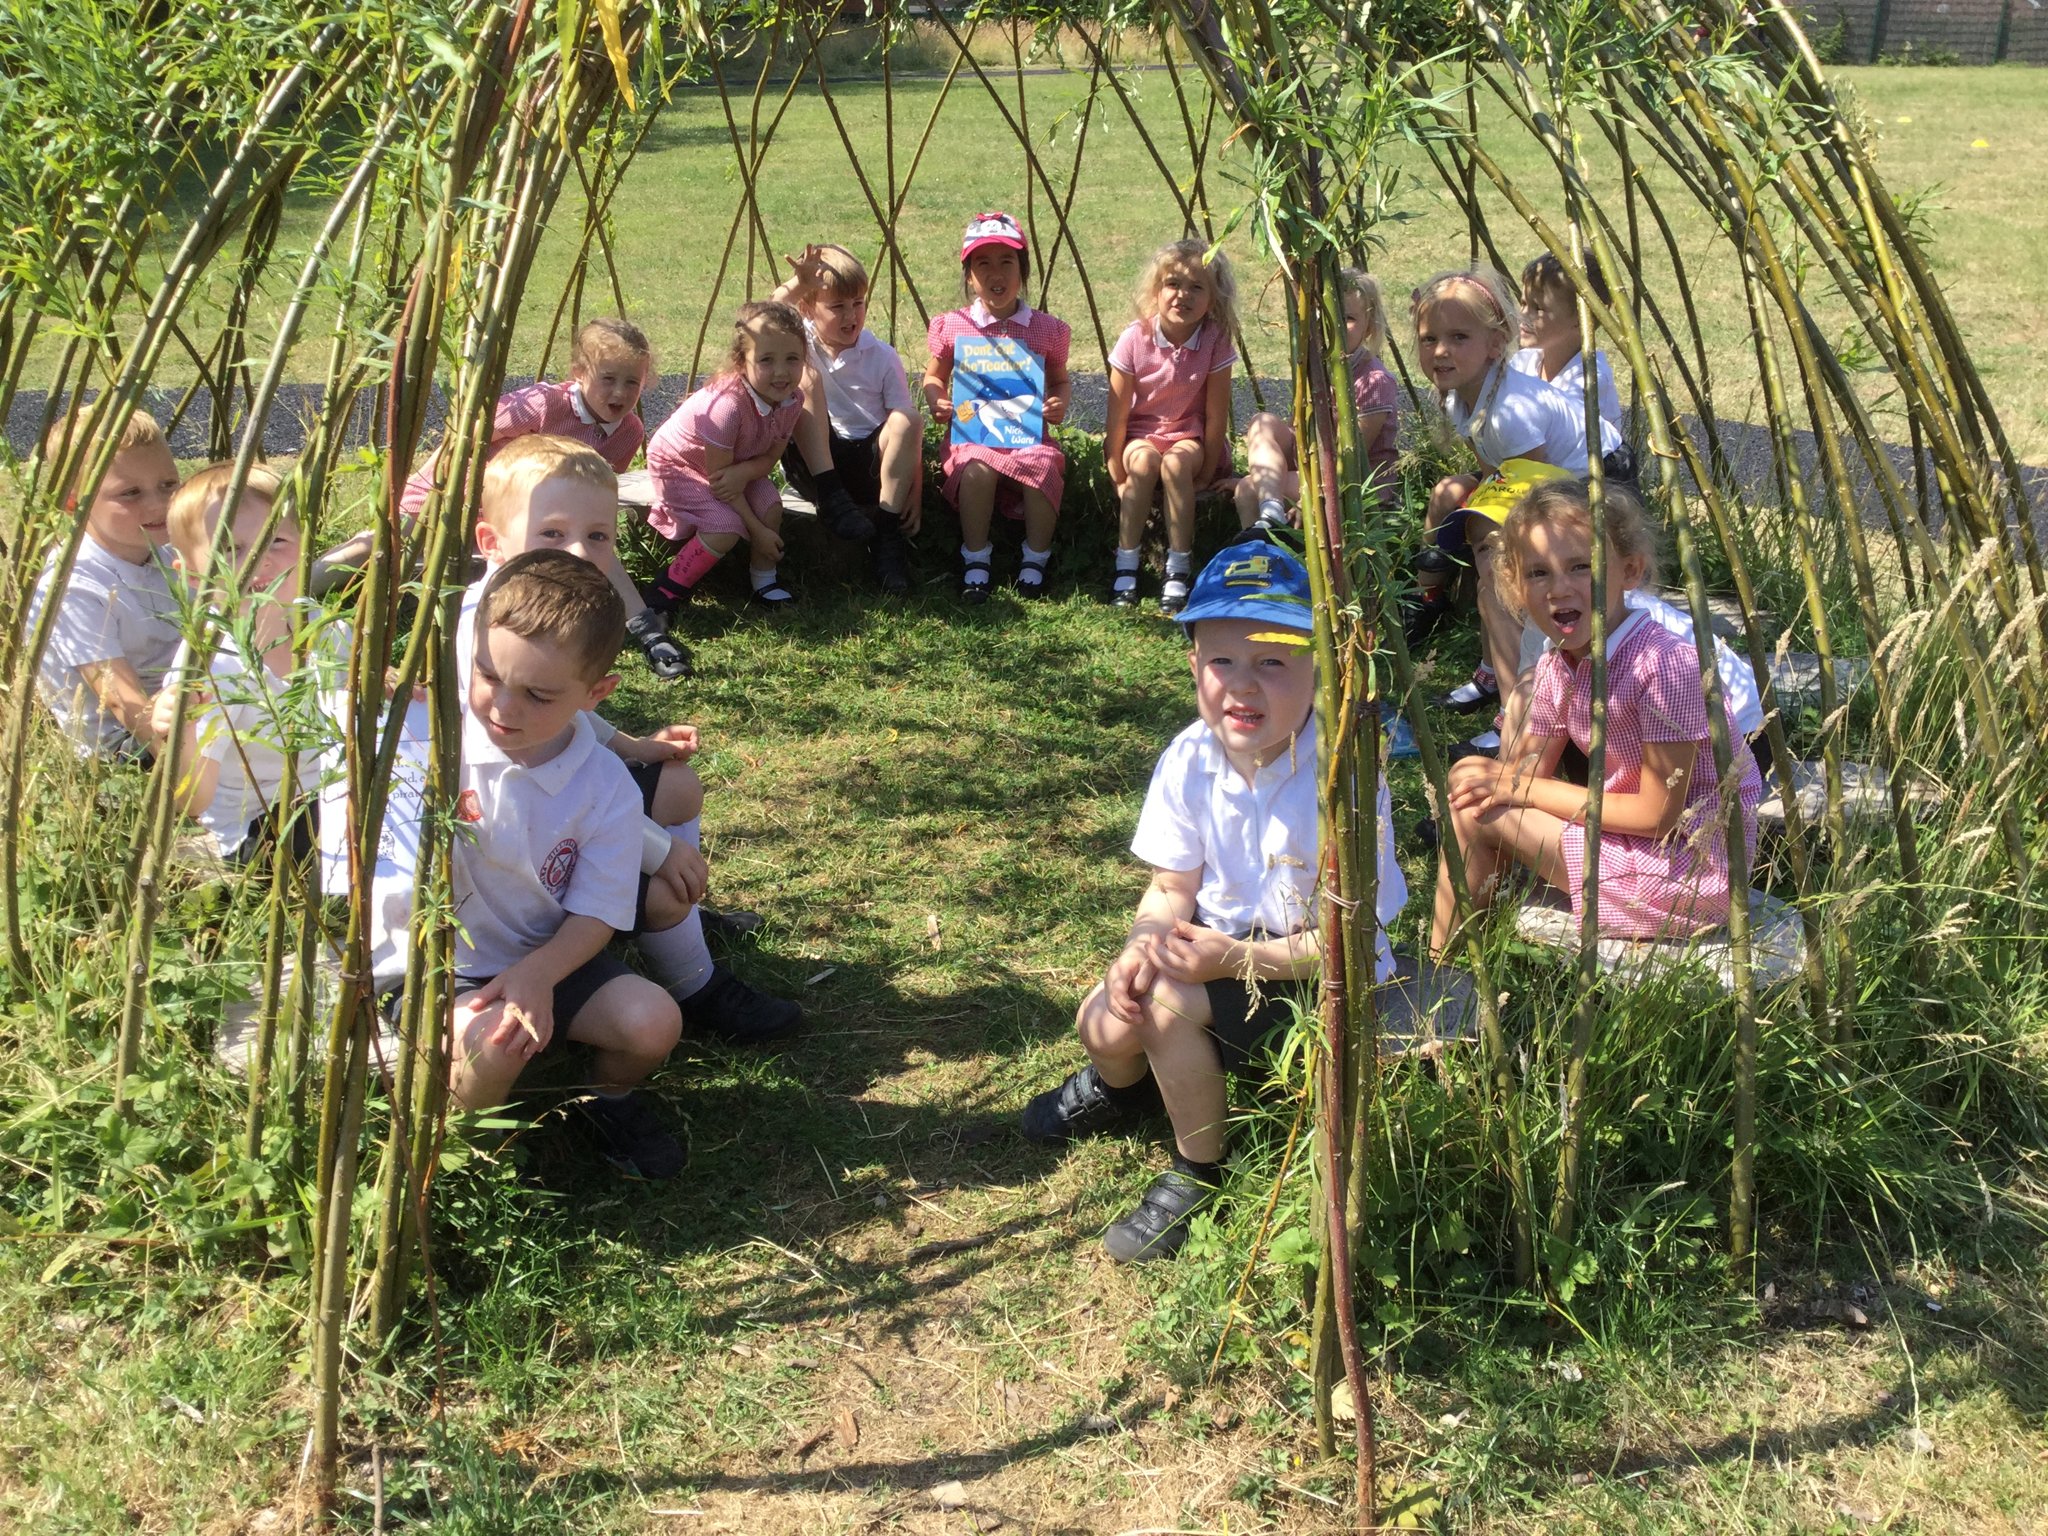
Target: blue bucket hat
<point>1256,580</point>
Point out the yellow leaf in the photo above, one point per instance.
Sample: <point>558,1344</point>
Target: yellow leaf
<point>615,45</point>
<point>1980,144</point>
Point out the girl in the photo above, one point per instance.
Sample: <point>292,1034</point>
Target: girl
<point>1521,430</point>
<point>1553,349</point>
<point>1663,857</point>
<point>1271,485</point>
<point>1169,409</point>
<point>982,474</point>
<point>598,406</point>
<point>711,459</point>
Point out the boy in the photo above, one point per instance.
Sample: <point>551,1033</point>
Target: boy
<point>247,710</point>
<point>544,492</point>
<point>546,861</point>
<point>859,435</point>
<point>116,629</point>
<point>1229,826</point>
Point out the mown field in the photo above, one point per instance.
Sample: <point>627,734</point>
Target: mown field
<point>867,1288</point>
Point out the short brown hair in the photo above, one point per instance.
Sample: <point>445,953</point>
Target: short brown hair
<point>600,339</point>
<point>140,430</point>
<point>191,524</point>
<point>1546,275</point>
<point>550,596</point>
<point>526,463</point>
<point>1628,527</point>
<point>844,276</point>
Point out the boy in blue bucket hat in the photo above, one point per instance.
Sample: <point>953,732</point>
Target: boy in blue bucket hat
<point>1229,921</point>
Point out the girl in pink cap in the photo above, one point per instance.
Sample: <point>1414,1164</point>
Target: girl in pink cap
<point>998,375</point>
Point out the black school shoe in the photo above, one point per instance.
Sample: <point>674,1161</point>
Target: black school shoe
<point>1159,1226</point>
<point>839,512</point>
<point>667,657</point>
<point>727,1009</point>
<point>1083,1106</point>
<point>891,553</point>
<point>630,1136</point>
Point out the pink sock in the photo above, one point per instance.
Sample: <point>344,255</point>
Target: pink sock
<point>690,563</point>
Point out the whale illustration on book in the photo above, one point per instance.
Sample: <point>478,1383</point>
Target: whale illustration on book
<point>996,414</point>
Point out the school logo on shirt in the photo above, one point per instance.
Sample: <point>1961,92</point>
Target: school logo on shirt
<point>558,866</point>
<point>468,807</point>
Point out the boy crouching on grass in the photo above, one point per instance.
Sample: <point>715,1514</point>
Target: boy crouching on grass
<point>1229,826</point>
<point>547,493</point>
<point>546,865</point>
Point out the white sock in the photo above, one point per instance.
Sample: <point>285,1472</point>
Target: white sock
<point>1272,510</point>
<point>1036,557</point>
<point>985,554</point>
<point>1127,559</point>
<point>762,579</point>
<point>678,956</point>
<point>1179,562</point>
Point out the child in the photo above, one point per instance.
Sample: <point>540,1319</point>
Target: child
<point>1521,430</point>
<point>1271,484</point>
<point>1229,827</point>
<point>711,459</point>
<point>998,456</point>
<point>547,859</point>
<point>550,493</point>
<point>1663,857</point>
<point>250,708</point>
<point>1169,409</point>
<point>1553,349</point>
<point>597,405</point>
<point>116,628</point>
<point>859,442</point>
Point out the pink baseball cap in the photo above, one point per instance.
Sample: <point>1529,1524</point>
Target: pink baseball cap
<point>990,229</point>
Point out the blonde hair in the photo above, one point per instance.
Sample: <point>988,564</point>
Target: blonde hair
<point>140,430</point>
<point>523,465</point>
<point>600,339</point>
<point>1628,527</point>
<point>195,509</point>
<point>844,276</point>
<point>550,596</point>
<point>1495,303</point>
<point>755,318</point>
<point>1195,254</point>
<point>1358,281</point>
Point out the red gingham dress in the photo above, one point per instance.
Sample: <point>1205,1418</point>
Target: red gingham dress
<point>1649,887</point>
<point>720,415</point>
<point>1043,468</point>
<point>539,408</point>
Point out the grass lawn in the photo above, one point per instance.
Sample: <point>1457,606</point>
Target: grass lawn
<point>867,1287</point>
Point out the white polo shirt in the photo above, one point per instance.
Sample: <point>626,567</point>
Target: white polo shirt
<point>1522,415</point>
<point>250,721</point>
<point>398,842</point>
<point>1571,380</point>
<point>1254,842</point>
<point>537,846</point>
<point>111,610</point>
<point>863,384</point>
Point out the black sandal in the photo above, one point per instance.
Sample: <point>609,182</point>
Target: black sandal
<point>1030,581</point>
<point>972,591</point>
<point>774,595</point>
<point>667,657</point>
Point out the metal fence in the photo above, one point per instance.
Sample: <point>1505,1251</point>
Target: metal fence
<point>1953,31</point>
